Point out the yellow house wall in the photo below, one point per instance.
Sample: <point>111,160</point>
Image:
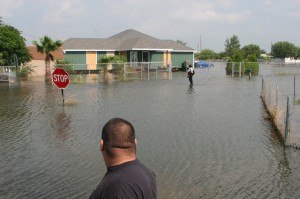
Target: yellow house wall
<point>91,59</point>
<point>167,58</point>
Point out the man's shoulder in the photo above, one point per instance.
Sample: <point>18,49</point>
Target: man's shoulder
<point>108,189</point>
<point>129,179</point>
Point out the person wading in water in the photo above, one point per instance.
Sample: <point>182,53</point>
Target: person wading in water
<point>190,74</point>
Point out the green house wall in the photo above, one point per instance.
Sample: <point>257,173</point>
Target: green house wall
<point>100,54</point>
<point>156,57</point>
<point>178,58</point>
<point>76,57</point>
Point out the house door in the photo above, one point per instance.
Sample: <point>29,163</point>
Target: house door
<point>145,57</point>
<point>133,56</point>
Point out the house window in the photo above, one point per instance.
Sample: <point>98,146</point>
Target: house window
<point>145,57</point>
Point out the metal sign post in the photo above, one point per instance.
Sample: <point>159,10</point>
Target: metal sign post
<point>61,79</point>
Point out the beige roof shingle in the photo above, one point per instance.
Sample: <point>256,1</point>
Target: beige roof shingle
<point>126,40</point>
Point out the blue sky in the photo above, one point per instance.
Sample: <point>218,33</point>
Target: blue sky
<point>260,22</point>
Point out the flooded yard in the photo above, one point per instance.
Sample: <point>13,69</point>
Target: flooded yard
<point>209,140</point>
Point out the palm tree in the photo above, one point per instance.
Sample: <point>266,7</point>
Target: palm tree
<point>46,45</point>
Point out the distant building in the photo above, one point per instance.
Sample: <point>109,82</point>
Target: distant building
<point>38,60</point>
<point>135,46</point>
<point>291,60</point>
<point>266,56</point>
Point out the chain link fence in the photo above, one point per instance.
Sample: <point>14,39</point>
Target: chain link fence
<point>279,93</point>
<point>120,71</point>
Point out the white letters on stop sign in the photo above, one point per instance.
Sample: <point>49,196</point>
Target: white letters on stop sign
<point>60,78</point>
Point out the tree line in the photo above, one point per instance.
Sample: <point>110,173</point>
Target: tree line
<point>234,52</point>
<point>12,47</point>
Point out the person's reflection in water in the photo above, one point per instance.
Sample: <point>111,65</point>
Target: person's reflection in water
<point>191,89</point>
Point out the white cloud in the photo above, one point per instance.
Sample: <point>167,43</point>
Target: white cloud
<point>268,2</point>
<point>7,8</point>
<point>67,11</point>
<point>208,16</point>
<point>295,14</point>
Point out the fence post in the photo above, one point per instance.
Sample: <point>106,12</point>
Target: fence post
<point>148,71</point>
<point>294,89</point>
<point>287,121</point>
<point>170,70</point>
<point>270,93</point>
<point>276,97</point>
<point>124,72</point>
<point>232,70</point>
<point>262,87</point>
<point>240,69</point>
<point>9,77</point>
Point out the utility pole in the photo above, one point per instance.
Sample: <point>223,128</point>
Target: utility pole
<point>200,43</point>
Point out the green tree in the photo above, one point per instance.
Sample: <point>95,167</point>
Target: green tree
<point>46,45</point>
<point>251,49</point>
<point>2,61</point>
<point>206,54</point>
<point>11,44</point>
<point>181,42</point>
<point>114,61</point>
<point>232,45</point>
<point>251,58</point>
<point>297,53</point>
<point>222,55</point>
<point>237,56</point>
<point>283,49</point>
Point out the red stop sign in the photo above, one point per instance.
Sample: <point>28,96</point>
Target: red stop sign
<point>60,78</point>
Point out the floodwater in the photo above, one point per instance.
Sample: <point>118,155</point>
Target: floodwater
<point>210,140</point>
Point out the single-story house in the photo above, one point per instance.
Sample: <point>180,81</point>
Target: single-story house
<point>84,53</point>
<point>38,60</point>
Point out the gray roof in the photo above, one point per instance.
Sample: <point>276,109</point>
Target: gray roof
<point>126,40</point>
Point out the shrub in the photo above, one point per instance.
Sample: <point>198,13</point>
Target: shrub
<point>25,71</point>
<point>60,63</point>
<point>246,68</point>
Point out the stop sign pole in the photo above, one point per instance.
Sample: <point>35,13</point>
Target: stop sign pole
<point>61,79</point>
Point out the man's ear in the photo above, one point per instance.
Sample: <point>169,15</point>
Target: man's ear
<point>101,145</point>
<point>135,141</point>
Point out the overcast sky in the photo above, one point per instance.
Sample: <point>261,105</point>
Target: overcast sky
<point>260,22</point>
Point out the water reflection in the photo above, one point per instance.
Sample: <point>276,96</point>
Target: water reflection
<point>284,167</point>
<point>190,90</point>
<point>63,121</point>
<point>108,77</point>
<point>48,148</point>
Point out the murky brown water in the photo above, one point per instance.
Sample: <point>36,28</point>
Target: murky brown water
<point>206,141</point>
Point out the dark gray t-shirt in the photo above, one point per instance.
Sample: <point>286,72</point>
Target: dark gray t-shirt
<point>128,180</point>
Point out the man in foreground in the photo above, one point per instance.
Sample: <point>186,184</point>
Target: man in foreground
<point>126,177</point>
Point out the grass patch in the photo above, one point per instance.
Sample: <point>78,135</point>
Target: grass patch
<point>71,101</point>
